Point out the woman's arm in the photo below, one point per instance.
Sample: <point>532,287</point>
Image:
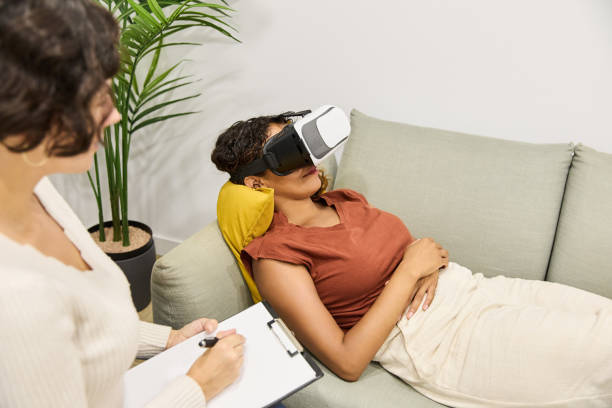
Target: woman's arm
<point>212,372</point>
<point>291,292</point>
<point>152,339</point>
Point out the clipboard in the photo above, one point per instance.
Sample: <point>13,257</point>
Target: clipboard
<point>275,364</point>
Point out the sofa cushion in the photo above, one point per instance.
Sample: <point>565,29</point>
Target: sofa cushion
<point>375,388</point>
<point>494,204</point>
<point>581,255</point>
<point>198,278</point>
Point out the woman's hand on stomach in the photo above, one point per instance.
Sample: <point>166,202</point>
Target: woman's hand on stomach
<point>290,290</point>
<point>425,288</point>
<point>424,257</point>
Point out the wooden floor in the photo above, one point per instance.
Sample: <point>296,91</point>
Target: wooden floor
<point>146,314</point>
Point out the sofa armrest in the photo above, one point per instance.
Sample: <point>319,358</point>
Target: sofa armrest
<point>198,278</point>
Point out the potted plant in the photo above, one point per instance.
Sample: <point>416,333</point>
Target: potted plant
<point>147,27</point>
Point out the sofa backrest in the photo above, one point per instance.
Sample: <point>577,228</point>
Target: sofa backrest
<point>583,246</point>
<point>494,204</point>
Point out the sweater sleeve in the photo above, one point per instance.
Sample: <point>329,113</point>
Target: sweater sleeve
<point>152,339</point>
<point>183,392</point>
<point>40,362</point>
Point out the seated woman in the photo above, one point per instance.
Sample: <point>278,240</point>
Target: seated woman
<point>349,278</point>
<point>69,327</point>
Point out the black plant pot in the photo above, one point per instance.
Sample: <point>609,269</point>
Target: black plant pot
<point>136,265</point>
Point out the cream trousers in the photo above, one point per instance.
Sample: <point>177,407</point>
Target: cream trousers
<point>503,342</point>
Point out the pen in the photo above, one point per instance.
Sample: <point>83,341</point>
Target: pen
<point>208,342</point>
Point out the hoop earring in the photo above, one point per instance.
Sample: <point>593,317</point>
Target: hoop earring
<point>30,163</point>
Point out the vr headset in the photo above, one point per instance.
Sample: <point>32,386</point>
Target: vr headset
<point>307,141</point>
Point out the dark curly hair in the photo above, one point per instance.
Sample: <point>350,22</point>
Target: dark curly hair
<point>243,142</point>
<point>55,56</point>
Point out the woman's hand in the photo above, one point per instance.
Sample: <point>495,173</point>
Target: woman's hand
<point>190,330</point>
<point>220,365</point>
<point>424,287</point>
<point>424,257</point>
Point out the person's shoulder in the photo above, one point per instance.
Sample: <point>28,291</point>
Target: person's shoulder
<point>273,234</point>
<point>345,195</point>
<point>54,201</point>
<point>46,190</point>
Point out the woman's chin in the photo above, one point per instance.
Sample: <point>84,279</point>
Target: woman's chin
<point>315,189</point>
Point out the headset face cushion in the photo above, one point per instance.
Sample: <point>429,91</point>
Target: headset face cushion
<point>285,152</point>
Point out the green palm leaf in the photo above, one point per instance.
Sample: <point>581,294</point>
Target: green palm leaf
<point>166,45</point>
<point>135,120</point>
<point>145,17</point>
<point>157,11</point>
<point>141,102</point>
<point>152,84</point>
<point>159,119</point>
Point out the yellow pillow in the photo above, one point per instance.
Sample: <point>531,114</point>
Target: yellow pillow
<point>243,215</point>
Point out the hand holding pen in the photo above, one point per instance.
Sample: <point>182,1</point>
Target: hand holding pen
<point>190,330</point>
<point>220,365</point>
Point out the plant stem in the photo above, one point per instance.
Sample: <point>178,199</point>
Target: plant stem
<point>118,187</point>
<point>124,192</point>
<point>112,185</point>
<point>125,150</point>
<point>102,234</point>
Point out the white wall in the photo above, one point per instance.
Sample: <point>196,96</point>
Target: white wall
<point>529,70</point>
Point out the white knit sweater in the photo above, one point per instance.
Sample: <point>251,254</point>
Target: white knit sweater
<point>67,336</point>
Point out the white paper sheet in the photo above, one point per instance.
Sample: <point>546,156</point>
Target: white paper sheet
<point>268,372</point>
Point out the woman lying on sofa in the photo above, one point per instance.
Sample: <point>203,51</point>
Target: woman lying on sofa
<point>349,278</point>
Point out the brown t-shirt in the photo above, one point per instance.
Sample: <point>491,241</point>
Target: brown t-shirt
<point>349,262</point>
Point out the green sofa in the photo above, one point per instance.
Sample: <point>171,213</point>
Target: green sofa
<point>500,207</point>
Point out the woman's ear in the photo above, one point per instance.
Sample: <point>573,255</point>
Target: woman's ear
<point>253,182</point>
